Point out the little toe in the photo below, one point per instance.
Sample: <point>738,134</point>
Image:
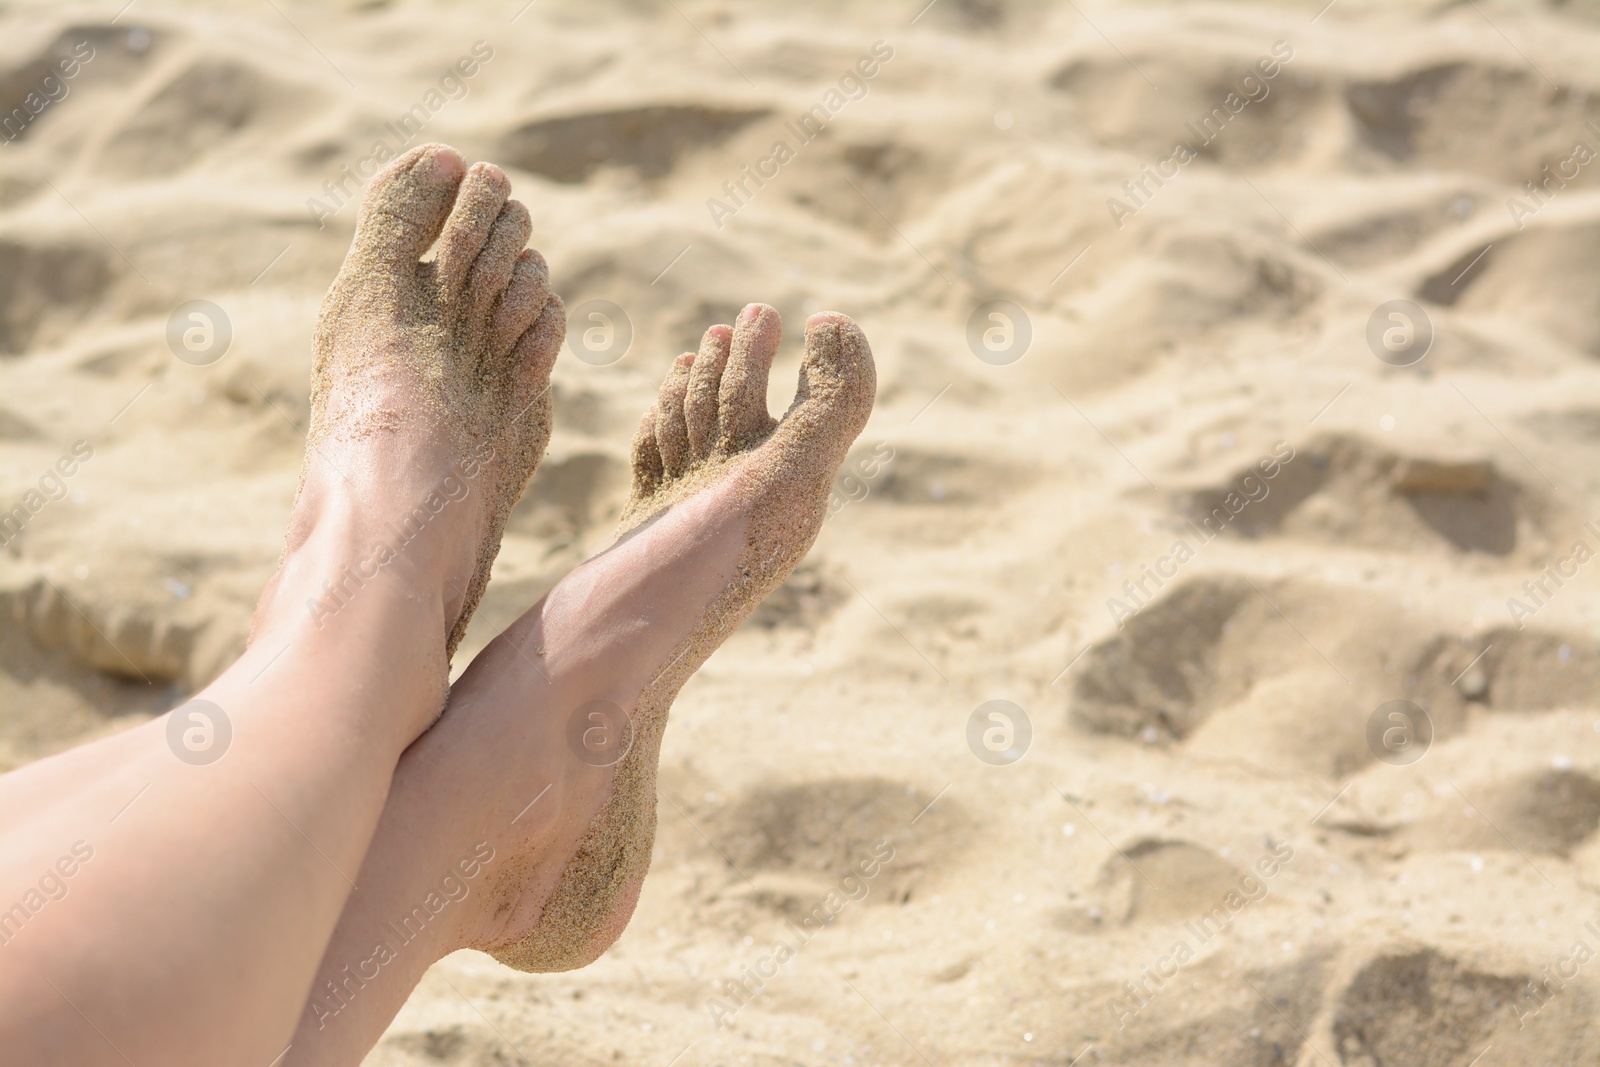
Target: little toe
<point>838,383</point>
<point>705,378</point>
<point>672,434</point>
<point>406,205</point>
<point>742,414</point>
<point>647,471</point>
<point>496,262</point>
<point>525,297</point>
<point>528,384</point>
<point>483,193</point>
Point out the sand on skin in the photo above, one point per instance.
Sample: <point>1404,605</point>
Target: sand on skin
<point>976,563</point>
<point>455,386</point>
<point>780,471</point>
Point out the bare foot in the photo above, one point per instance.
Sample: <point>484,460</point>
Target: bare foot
<point>726,501</point>
<point>430,400</point>
<point>522,838</point>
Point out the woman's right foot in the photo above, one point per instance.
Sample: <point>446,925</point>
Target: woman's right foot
<point>726,502</point>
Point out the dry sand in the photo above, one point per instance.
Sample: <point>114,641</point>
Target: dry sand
<point>993,512</point>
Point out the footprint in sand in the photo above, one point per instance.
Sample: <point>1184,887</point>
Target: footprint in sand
<point>1345,491</point>
<point>1423,1008</point>
<point>1157,880</point>
<point>797,841</point>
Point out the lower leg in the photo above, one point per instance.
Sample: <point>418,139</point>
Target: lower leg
<point>488,805</point>
<point>203,879</point>
<point>209,889</point>
<point>494,809</point>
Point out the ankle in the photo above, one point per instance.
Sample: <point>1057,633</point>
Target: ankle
<point>400,503</point>
<point>341,571</point>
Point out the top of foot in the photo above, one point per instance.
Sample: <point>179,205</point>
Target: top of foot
<point>431,378</point>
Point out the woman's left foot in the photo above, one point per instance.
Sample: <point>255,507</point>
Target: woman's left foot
<point>430,403</point>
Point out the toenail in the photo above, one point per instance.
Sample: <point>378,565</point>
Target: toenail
<point>750,313</point>
<point>822,317</point>
<point>445,161</point>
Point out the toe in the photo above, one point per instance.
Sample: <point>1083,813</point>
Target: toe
<point>496,262</point>
<point>406,205</point>
<point>672,435</point>
<point>837,385</point>
<point>525,297</point>
<point>647,472</point>
<point>527,383</point>
<point>742,415</point>
<point>705,378</point>
<point>483,193</point>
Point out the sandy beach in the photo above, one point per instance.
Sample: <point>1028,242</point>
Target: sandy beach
<point>1201,664</point>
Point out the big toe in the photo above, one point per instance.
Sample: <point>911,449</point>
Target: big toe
<point>838,383</point>
<point>406,206</point>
